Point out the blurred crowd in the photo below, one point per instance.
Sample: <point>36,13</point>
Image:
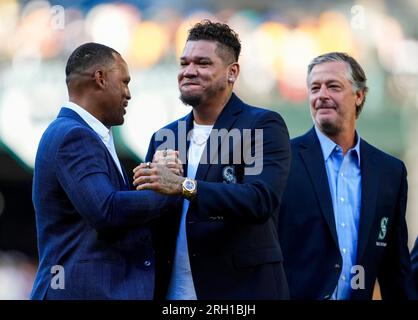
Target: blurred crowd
<point>16,275</point>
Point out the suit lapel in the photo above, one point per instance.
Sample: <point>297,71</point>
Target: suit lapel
<point>225,120</point>
<point>125,184</point>
<point>370,171</point>
<point>183,150</point>
<point>311,153</point>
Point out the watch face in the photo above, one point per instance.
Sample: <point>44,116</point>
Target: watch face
<point>189,185</point>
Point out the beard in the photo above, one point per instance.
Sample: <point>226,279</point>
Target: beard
<point>195,100</point>
<point>330,128</point>
<point>191,100</point>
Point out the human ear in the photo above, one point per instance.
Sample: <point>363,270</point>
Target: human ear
<point>100,78</point>
<point>233,72</point>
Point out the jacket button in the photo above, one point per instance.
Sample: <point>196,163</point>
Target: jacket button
<point>147,263</point>
<point>337,266</point>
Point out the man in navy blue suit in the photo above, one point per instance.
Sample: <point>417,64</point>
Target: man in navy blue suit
<point>342,221</point>
<point>93,233</point>
<point>222,242</point>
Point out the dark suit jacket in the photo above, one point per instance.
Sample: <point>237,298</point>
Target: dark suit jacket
<point>231,226</point>
<point>87,220</point>
<point>308,233</point>
<point>414,262</point>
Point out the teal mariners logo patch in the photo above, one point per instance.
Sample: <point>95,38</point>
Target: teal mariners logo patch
<point>383,230</point>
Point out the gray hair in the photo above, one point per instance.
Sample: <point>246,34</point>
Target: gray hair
<point>355,73</point>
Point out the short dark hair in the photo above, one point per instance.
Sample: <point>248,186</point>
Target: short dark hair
<point>355,72</point>
<point>220,32</point>
<point>88,55</point>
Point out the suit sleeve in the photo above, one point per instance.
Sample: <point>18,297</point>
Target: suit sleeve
<point>395,277</point>
<point>83,174</point>
<point>256,198</point>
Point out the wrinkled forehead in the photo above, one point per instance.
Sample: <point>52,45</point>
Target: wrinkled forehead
<point>329,71</point>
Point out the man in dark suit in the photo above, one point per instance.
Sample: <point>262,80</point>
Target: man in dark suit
<point>93,234</point>
<point>223,241</point>
<point>342,220</point>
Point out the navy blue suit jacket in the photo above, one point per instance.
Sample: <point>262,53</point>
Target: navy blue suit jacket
<point>231,226</point>
<point>308,233</point>
<point>87,220</point>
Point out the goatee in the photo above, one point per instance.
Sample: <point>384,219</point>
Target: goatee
<point>330,129</point>
<point>192,101</point>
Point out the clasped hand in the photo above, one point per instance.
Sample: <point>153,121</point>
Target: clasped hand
<point>163,175</point>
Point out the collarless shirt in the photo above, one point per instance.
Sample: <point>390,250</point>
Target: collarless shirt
<point>344,179</point>
<point>102,131</point>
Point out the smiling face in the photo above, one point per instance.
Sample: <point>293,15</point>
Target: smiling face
<point>332,98</point>
<point>117,93</point>
<point>203,72</point>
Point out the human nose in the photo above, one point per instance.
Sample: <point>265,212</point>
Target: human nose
<point>190,70</point>
<point>323,92</point>
<point>128,94</point>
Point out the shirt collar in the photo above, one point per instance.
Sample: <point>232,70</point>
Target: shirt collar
<point>328,146</point>
<point>103,132</point>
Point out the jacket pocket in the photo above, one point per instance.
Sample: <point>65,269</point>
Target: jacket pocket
<point>95,279</point>
<point>256,257</point>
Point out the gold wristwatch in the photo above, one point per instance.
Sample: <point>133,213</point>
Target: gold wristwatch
<point>189,188</point>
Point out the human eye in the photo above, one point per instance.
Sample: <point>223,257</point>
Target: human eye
<point>314,88</point>
<point>335,87</point>
<point>204,62</point>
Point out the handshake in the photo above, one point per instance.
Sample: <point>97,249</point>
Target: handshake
<point>164,174</point>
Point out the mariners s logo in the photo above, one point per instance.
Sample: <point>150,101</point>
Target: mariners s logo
<point>383,229</point>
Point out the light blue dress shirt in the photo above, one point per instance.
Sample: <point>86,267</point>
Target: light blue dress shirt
<point>344,178</point>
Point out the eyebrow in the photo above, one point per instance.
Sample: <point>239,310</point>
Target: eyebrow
<point>326,82</point>
<point>196,58</point>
